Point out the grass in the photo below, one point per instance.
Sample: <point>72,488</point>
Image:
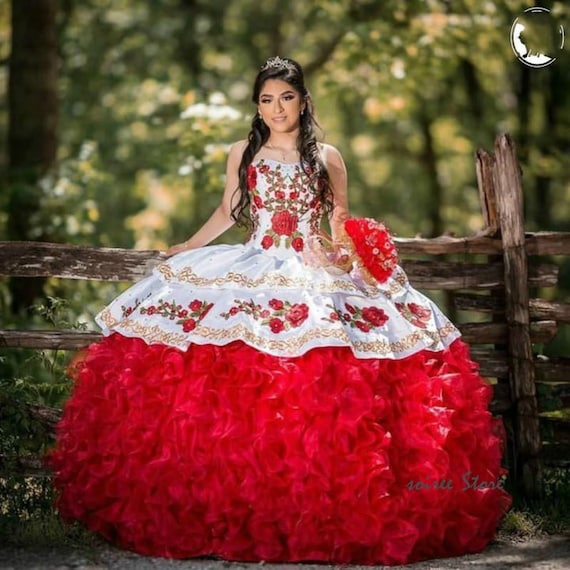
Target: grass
<point>531,522</point>
<point>50,531</point>
<point>28,519</point>
<point>548,515</point>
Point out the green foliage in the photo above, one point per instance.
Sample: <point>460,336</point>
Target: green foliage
<point>32,378</point>
<point>28,519</point>
<point>408,91</point>
<point>549,514</point>
<point>29,379</point>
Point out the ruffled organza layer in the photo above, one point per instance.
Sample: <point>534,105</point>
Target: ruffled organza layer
<point>231,452</point>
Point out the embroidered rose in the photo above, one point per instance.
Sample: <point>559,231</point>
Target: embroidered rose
<point>279,315</point>
<point>280,195</point>
<point>297,314</point>
<point>276,304</point>
<point>276,325</point>
<point>375,316</point>
<point>284,223</point>
<point>418,315</point>
<point>251,177</point>
<point>362,318</point>
<point>297,244</point>
<point>266,242</point>
<point>189,325</point>
<point>188,318</point>
<point>419,311</point>
<point>258,202</point>
<point>364,327</point>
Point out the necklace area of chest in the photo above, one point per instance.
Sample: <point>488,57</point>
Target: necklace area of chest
<point>285,154</point>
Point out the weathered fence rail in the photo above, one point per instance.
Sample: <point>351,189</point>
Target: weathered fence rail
<point>489,276</point>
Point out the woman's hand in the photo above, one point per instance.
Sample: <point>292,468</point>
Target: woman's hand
<point>178,248</point>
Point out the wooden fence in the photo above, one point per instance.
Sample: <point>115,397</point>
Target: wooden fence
<point>487,273</point>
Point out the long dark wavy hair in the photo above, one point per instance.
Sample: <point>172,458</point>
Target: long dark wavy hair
<point>312,164</point>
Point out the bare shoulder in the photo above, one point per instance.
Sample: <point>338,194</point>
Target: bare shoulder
<point>236,150</point>
<point>331,157</point>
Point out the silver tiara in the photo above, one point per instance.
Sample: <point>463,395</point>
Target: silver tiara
<point>277,63</point>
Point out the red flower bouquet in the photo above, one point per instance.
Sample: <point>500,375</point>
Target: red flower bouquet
<point>373,247</point>
<point>365,243</point>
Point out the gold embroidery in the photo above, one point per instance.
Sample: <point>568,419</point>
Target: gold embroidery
<point>155,334</point>
<point>269,280</point>
<point>166,271</point>
<point>294,344</point>
<point>107,318</point>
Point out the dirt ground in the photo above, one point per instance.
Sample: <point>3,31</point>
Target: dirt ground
<point>540,553</point>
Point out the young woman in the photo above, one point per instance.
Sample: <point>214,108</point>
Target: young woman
<point>281,400</point>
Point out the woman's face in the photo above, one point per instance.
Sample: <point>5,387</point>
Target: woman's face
<point>280,106</point>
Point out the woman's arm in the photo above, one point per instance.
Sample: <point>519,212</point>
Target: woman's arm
<point>221,219</point>
<point>337,174</point>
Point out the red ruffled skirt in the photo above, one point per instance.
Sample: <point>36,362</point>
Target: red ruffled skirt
<point>231,452</point>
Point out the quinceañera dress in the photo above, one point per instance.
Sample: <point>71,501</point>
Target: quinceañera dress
<point>251,404</point>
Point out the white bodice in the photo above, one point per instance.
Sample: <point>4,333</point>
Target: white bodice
<point>284,211</point>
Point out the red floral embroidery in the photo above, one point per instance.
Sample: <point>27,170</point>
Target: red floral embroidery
<point>276,325</point>
<point>298,244</point>
<point>286,202</point>
<point>251,177</point>
<point>188,318</point>
<point>280,316</point>
<point>297,314</point>
<point>276,304</point>
<point>418,315</point>
<point>283,223</point>
<point>362,318</point>
<point>127,310</point>
<point>375,316</point>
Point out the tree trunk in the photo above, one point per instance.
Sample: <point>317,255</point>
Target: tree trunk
<point>32,127</point>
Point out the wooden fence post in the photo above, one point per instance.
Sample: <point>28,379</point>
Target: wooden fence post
<point>484,167</point>
<point>528,447</point>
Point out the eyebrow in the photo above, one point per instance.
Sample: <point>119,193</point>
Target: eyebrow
<point>288,92</point>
